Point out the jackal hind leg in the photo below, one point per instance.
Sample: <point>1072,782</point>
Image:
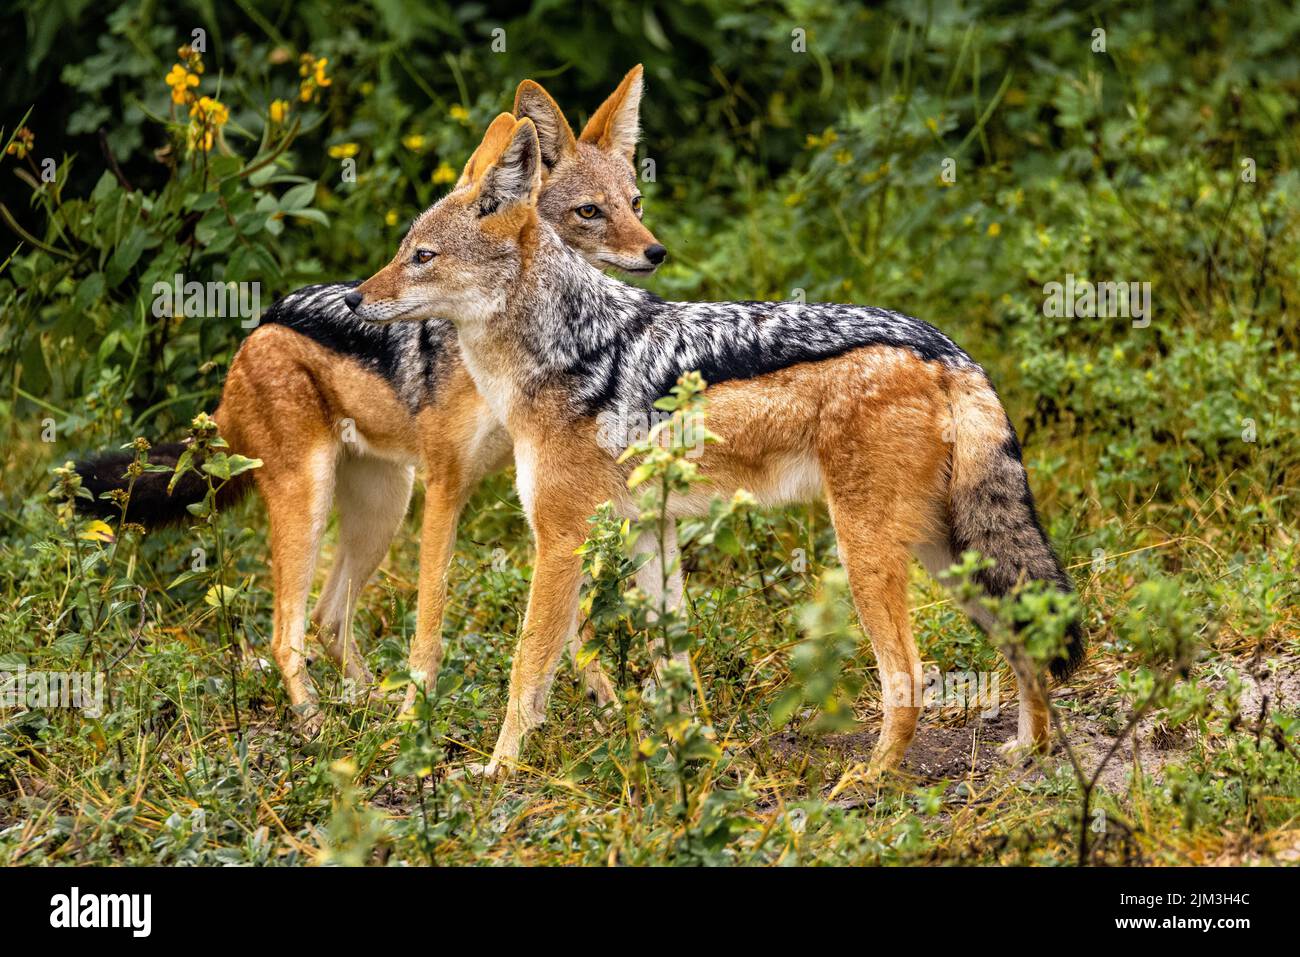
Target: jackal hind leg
<point>876,488</point>
<point>1033,731</point>
<point>372,495</point>
<point>443,499</point>
<point>298,498</point>
<point>877,566</point>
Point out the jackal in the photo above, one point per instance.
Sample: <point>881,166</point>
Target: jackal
<point>881,414</point>
<point>340,411</point>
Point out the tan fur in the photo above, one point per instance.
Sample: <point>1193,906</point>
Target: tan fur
<point>979,429</point>
<point>554,135</point>
<point>869,423</point>
<point>488,151</point>
<point>613,127</point>
<point>866,431</point>
<point>286,400</point>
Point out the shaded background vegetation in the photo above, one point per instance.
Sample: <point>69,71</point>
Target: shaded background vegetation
<point>1164,457</point>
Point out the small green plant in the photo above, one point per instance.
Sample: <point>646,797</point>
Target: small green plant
<point>820,678</point>
<point>355,829</point>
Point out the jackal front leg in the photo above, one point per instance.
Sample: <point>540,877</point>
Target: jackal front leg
<point>664,591</point>
<point>551,618</point>
<point>442,505</point>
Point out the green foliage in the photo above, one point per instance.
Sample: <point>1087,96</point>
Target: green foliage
<point>952,160</point>
<point>817,662</point>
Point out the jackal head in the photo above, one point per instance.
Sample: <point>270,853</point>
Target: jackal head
<point>529,165</point>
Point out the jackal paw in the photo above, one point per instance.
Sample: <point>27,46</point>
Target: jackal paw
<point>491,770</point>
<point>308,720</point>
<point>599,690</point>
<point>378,694</point>
<point>1021,751</point>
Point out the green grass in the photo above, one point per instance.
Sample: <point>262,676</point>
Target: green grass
<point>198,726</point>
<point>1162,456</point>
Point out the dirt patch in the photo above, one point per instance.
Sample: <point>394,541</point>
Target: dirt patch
<point>953,750</point>
<point>938,752</point>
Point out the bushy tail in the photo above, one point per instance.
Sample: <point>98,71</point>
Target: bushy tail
<point>991,509</point>
<point>150,503</point>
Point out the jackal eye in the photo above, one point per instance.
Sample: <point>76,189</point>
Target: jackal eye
<point>423,256</point>
<point>588,210</point>
<point>636,204</point>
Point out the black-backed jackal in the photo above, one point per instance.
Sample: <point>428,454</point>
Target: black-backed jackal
<point>879,413</point>
<point>341,411</point>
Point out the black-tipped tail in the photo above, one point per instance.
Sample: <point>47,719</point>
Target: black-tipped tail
<point>991,510</point>
<point>1076,649</point>
<point>150,504</point>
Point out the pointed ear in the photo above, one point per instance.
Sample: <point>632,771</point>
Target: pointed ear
<point>615,127</point>
<point>494,141</point>
<point>514,175</point>
<point>554,135</point>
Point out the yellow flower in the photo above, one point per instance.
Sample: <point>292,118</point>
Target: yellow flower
<point>279,111</point>
<point>211,111</point>
<point>871,175</point>
<point>312,70</point>
<point>97,531</point>
<point>181,80</point>
<point>444,173</point>
<point>995,229</point>
<point>413,142</point>
<point>344,150</point>
<point>828,137</point>
<point>390,217</point>
<point>458,112</point>
<point>199,137</point>
<point>843,157</point>
<point>22,144</point>
<point>190,57</point>
<point>207,117</point>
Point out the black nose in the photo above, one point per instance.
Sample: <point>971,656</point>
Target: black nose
<point>353,299</point>
<point>656,253</point>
